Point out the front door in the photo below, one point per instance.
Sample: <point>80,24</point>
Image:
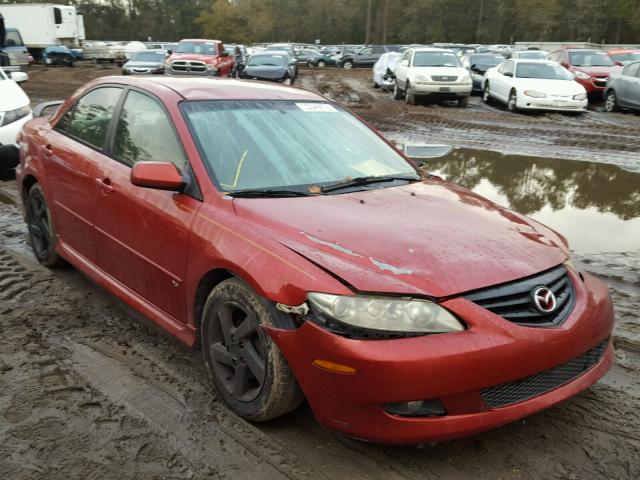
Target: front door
<point>145,232</point>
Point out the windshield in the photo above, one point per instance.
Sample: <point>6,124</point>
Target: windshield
<point>546,71</point>
<point>285,144</point>
<point>435,59</point>
<point>148,57</point>
<point>626,57</point>
<point>202,48</point>
<point>534,55</point>
<point>490,60</point>
<point>267,60</point>
<point>13,39</point>
<point>591,59</point>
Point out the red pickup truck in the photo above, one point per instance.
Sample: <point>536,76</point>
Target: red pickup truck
<point>200,57</point>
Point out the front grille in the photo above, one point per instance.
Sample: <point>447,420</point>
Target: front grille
<point>600,82</point>
<point>444,78</point>
<point>521,390</point>
<point>513,301</point>
<point>188,66</point>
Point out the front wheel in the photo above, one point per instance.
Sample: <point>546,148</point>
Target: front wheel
<point>409,98</point>
<point>611,102</point>
<point>287,81</point>
<point>463,101</point>
<point>486,94</point>
<point>246,367</point>
<point>512,104</point>
<point>397,93</point>
<point>321,64</point>
<point>42,235</point>
<point>348,65</point>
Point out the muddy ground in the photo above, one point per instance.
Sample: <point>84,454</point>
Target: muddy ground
<point>89,390</point>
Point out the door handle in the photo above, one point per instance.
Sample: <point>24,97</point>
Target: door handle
<point>46,149</point>
<point>105,184</point>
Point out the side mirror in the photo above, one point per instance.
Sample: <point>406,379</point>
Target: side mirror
<point>39,109</point>
<point>157,175</point>
<point>421,153</point>
<point>404,63</point>
<point>508,74</point>
<point>19,77</point>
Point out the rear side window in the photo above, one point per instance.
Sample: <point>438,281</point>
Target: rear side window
<point>632,70</point>
<point>145,133</point>
<point>88,121</point>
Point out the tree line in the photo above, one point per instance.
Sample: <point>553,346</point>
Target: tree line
<point>359,21</point>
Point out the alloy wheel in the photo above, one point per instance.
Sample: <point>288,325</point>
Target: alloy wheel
<point>611,102</point>
<point>39,225</point>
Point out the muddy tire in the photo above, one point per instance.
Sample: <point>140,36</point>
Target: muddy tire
<point>348,65</point>
<point>512,105</point>
<point>287,80</point>
<point>463,101</point>
<point>397,93</point>
<point>321,64</point>
<point>42,235</point>
<point>486,94</point>
<point>611,102</point>
<point>247,368</point>
<point>409,98</point>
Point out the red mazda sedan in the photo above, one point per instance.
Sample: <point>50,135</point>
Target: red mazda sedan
<point>308,258</point>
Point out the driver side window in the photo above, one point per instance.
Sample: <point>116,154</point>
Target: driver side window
<point>366,51</point>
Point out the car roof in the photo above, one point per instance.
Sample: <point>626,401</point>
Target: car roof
<point>623,50</point>
<point>194,88</point>
<point>531,60</point>
<point>199,40</point>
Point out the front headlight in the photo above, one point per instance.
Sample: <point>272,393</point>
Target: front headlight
<point>535,94</point>
<point>399,315</point>
<point>580,96</point>
<point>582,75</point>
<point>212,68</point>
<point>421,78</point>
<point>14,115</point>
<point>465,79</point>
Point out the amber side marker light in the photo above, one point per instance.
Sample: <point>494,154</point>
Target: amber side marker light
<point>334,367</point>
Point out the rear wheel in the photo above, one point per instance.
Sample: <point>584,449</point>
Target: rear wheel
<point>611,102</point>
<point>247,368</point>
<point>40,227</point>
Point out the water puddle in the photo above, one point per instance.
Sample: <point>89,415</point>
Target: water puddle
<point>596,206</point>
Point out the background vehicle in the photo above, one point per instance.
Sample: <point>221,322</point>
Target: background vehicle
<point>200,57</point>
<point>44,24</point>
<point>305,55</point>
<point>16,49</point>
<point>527,54</point>
<point>622,57</point>
<point>58,55</point>
<point>590,67</point>
<point>99,51</point>
<point>324,60</point>
<point>477,64</point>
<point>286,47</point>
<point>383,70</point>
<point>623,88</point>
<point>273,66</point>
<point>145,62</point>
<point>366,56</point>
<point>434,73</point>
<point>534,85</point>
<point>14,113</point>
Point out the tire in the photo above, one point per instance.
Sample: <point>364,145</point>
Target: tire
<point>511,103</point>
<point>246,367</point>
<point>348,65</point>
<point>486,94</point>
<point>463,101</point>
<point>42,235</point>
<point>397,93</point>
<point>321,64</point>
<point>611,102</point>
<point>409,98</point>
<point>375,84</point>
<point>287,80</point>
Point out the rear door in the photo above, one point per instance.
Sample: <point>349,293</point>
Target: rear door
<point>72,149</point>
<point>144,231</point>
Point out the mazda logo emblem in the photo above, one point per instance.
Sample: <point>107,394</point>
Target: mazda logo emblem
<point>544,300</point>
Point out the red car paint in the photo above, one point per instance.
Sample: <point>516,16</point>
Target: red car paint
<point>622,55</point>
<point>598,76</point>
<point>199,63</point>
<point>161,252</point>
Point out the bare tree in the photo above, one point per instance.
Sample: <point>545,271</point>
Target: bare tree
<point>367,35</point>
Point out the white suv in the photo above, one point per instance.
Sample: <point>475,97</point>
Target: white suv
<point>432,72</point>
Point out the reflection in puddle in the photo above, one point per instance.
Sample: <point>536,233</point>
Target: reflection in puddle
<point>597,207</point>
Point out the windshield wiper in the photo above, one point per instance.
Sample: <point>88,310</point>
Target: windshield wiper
<point>266,193</point>
<point>361,181</point>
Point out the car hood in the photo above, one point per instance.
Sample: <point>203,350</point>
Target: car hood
<point>11,96</point>
<point>265,71</point>
<point>552,87</point>
<point>140,64</point>
<point>595,71</point>
<point>428,238</point>
<point>193,56</point>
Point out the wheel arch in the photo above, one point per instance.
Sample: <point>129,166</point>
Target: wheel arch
<point>207,283</point>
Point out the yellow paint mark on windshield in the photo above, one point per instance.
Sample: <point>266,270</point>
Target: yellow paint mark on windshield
<point>239,169</point>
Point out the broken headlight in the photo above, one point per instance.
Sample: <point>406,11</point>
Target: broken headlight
<point>384,314</point>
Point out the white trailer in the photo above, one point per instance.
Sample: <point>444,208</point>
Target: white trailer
<point>44,24</point>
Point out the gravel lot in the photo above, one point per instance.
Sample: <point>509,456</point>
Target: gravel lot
<point>91,391</point>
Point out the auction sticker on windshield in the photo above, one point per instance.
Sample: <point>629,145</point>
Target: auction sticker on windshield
<point>316,107</point>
